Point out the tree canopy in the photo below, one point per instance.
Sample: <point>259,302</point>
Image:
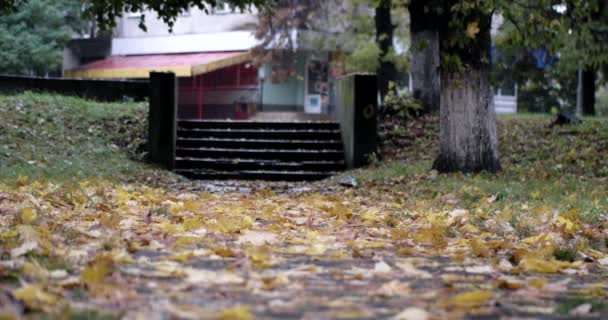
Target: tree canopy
<point>106,12</point>
<point>33,35</point>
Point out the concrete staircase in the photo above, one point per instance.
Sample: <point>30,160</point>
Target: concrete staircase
<point>275,151</point>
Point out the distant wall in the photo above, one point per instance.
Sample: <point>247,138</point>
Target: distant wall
<point>102,90</point>
<point>288,95</point>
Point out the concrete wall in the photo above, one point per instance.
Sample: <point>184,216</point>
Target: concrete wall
<point>102,90</point>
<point>357,111</point>
<point>286,96</point>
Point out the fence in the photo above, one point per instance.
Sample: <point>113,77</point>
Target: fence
<point>102,90</point>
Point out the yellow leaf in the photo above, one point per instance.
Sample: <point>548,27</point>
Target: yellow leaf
<point>35,270</point>
<point>235,313</point>
<point>224,252</point>
<point>471,299</point>
<point>537,283</point>
<point>109,220</point>
<point>170,228</point>
<point>21,181</point>
<point>260,256</point>
<point>538,265</point>
<point>479,248</point>
<point>566,225</point>
<point>597,290</point>
<point>192,224</point>
<point>186,242</point>
<point>510,283</point>
<point>182,257</point>
<point>35,296</point>
<point>28,215</point>
<point>96,271</point>
<point>434,235</point>
<point>472,29</point>
<point>469,228</point>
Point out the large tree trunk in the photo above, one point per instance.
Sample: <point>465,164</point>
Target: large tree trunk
<point>589,77</point>
<point>387,72</point>
<point>468,123</point>
<point>424,65</point>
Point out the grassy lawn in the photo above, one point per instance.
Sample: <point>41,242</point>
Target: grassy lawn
<point>562,167</point>
<point>44,136</point>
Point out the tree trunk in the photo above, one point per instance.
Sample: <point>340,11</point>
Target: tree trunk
<point>424,68</point>
<point>589,77</point>
<point>387,72</point>
<point>425,62</point>
<point>468,123</point>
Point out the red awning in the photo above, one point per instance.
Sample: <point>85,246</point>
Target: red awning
<point>183,65</point>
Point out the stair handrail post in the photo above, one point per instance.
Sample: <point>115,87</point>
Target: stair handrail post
<point>162,119</point>
<point>357,112</point>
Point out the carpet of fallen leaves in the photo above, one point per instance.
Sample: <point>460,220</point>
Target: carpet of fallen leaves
<point>385,249</point>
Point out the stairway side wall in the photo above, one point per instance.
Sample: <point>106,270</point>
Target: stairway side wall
<point>357,110</point>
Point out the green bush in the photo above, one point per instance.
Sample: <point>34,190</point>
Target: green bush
<point>400,104</point>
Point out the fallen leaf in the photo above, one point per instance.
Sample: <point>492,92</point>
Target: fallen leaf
<point>412,313</point>
<point>28,215</point>
<point>582,310</point>
<point>394,288</point>
<point>471,299</point>
<point>409,270</point>
<point>382,267</point>
<point>486,269</point>
<point>35,296</point>
<point>235,313</point>
<point>97,270</point>
<point>257,238</point>
<point>538,265</point>
<point>202,276</point>
<point>24,249</point>
<point>479,248</point>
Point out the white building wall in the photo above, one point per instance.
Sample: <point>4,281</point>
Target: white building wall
<point>196,21</point>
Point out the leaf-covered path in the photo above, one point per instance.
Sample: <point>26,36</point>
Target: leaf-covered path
<point>110,238</point>
<point>128,251</point>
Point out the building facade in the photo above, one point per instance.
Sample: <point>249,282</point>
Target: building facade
<point>211,55</point>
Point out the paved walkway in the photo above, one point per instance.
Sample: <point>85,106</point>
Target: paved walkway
<point>289,117</point>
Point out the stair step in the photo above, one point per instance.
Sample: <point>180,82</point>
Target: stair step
<point>255,164</point>
<point>258,144</point>
<point>276,151</point>
<point>255,175</point>
<point>210,124</point>
<point>259,154</point>
<point>281,134</point>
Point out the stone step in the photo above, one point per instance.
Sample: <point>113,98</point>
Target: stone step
<point>261,154</point>
<point>259,144</point>
<point>281,151</point>
<point>231,165</point>
<point>279,134</point>
<point>255,175</point>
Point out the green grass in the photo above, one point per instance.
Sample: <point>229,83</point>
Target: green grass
<point>546,169</point>
<point>570,303</point>
<point>44,136</point>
